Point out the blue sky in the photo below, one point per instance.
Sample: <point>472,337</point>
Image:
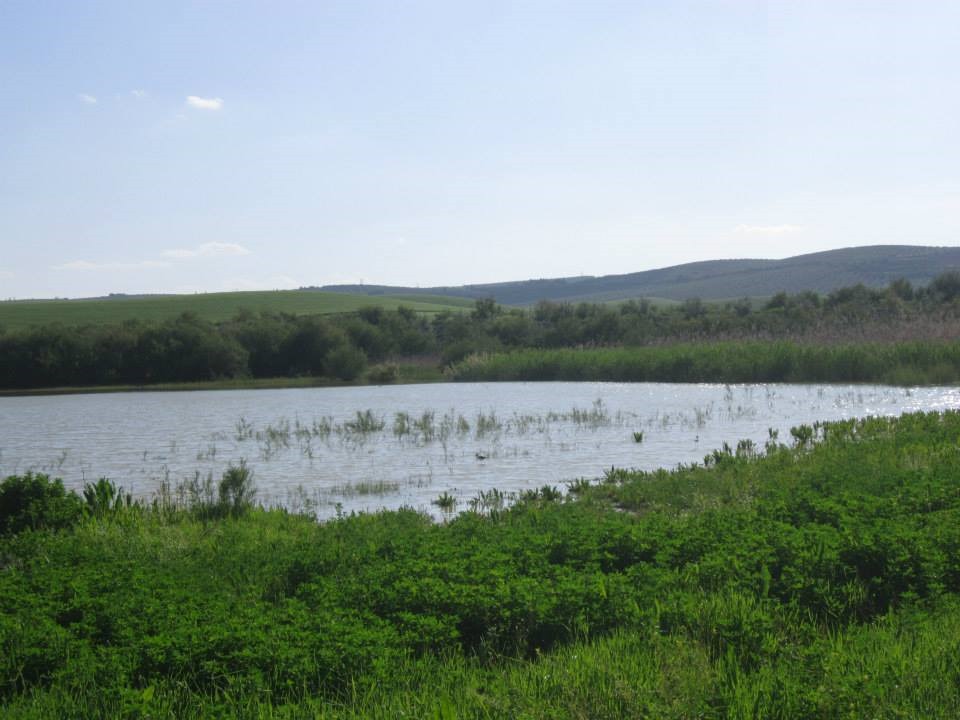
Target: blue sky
<point>179,147</point>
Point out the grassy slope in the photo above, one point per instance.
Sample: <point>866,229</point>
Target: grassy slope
<point>823,272</point>
<point>817,582</point>
<point>209,306</point>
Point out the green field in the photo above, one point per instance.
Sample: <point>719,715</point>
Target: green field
<point>15,315</point>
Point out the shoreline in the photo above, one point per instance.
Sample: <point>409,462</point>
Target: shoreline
<point>409,375</point>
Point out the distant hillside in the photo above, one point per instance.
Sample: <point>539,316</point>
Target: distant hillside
<point>208,306</point>
<point>874,266</point>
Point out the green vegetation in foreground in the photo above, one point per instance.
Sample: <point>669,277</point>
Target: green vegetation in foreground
<point>820,580</point>
<point>212,307</point>
<point>906,363</point>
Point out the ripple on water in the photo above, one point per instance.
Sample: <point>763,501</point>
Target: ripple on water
<point>365,448</point>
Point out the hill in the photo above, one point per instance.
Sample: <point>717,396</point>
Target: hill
<point>208,306</point>
<point>823,272</point>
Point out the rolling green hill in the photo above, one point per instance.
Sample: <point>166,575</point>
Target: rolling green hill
<point>209,306</point>
<point>823,272</point>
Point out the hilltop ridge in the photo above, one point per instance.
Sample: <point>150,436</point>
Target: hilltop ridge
<point>823,272</point>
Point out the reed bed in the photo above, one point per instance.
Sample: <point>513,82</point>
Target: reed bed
<point>907,363</point>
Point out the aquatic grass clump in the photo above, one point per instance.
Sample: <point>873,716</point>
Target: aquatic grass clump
<point>244,430</point>
<point>487,424</point>
<point>596,416</point>
<point>234,494</point>
<point>274,438</point>
<point>365,423</point>
<point>579,485</point>
<point>545,493</point>
<point>402,424</point>
<point>322,427</point>
<point>208,454</point>
<point>446,502</point>
<point>424,426</point>
<point>492,500</point>
<point>364,487</point>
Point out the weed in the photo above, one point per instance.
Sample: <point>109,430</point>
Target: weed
<point>103,498</point>
<point>446,502</point>
<point>236,490</point>
<point>365,423</point>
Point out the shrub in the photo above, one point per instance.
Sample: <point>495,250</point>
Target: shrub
<point>236,489</point>
<point>384,374</point>
<point>34,502</point>
<point>346,362</point>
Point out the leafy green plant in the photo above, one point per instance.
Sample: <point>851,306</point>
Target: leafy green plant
<point>104,498</point>
<point>446,502</point>
<point>236,489</point>
<point>36,502</point>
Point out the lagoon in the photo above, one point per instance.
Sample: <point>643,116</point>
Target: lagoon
<point>330,450</point>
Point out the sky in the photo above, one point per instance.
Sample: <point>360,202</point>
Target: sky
<point>209,146</point>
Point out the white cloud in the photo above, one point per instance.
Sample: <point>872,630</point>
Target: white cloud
<point>139,94</point>
<point>204,103</point>
<point>204,250</point>
<point>767,229</point>
<point>88,99</point>
<point>86,265</point>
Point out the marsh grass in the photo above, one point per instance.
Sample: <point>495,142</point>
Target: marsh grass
<point>427,427</point>
<point>898,363</point>
<point>243,430</point>
<point>491,500</point>
<point>364,423</point>
<point>363,487</point>
<point>446,502</point>
<point>487,424</point>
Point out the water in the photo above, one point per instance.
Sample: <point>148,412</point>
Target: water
<point>309,451</point>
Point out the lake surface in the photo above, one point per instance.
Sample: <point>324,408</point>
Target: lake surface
<point>309,449</point>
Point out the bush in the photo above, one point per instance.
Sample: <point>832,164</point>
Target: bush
<point>33,502</point>
<point>346,362</point>
<point>384,374</point>
<point>237,490</point>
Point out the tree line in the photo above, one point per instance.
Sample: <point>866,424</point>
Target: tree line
<point>268,344</point>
